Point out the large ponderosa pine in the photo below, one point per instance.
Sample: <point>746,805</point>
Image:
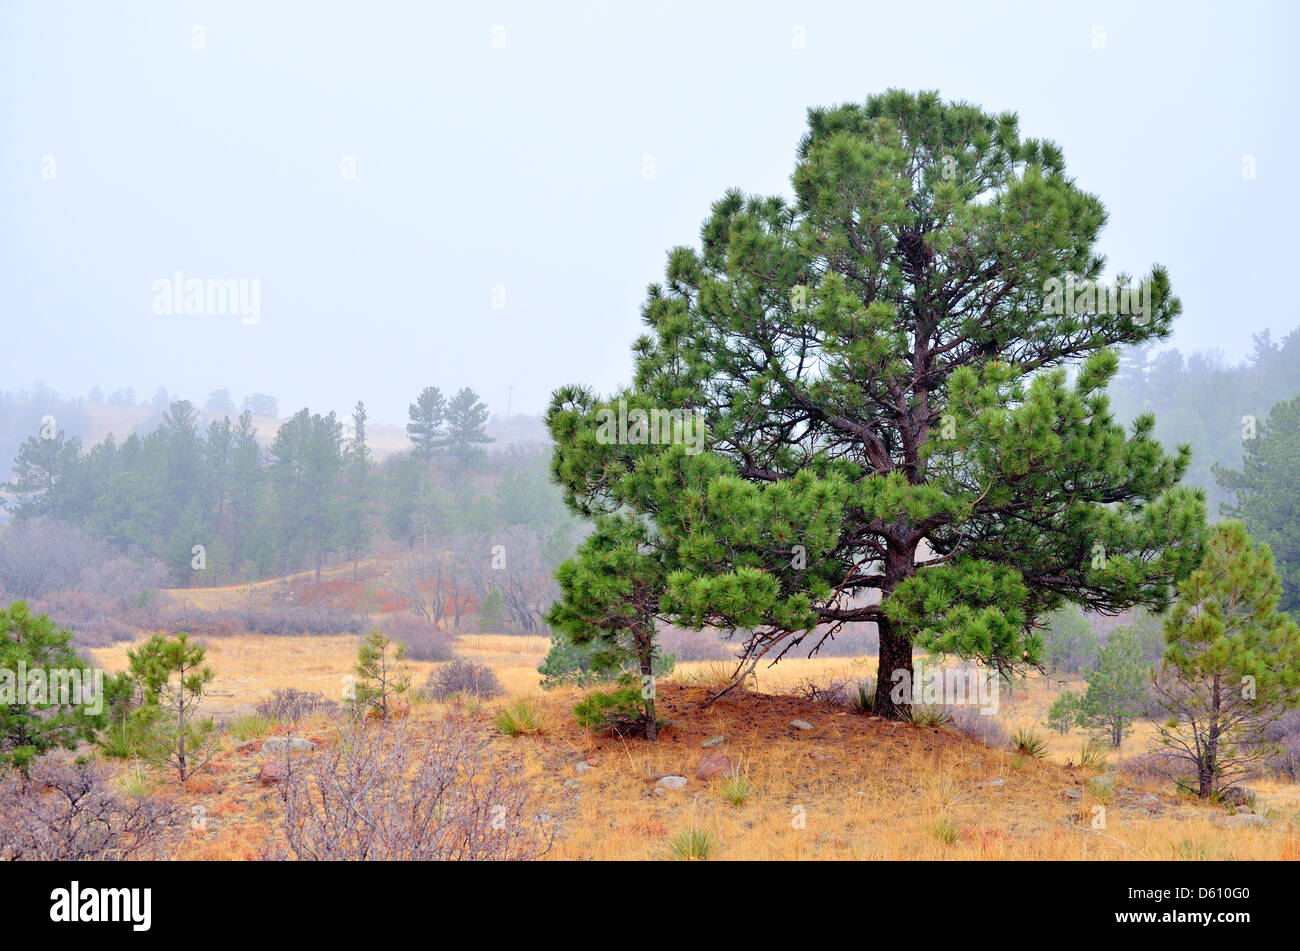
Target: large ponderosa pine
<point>893,433</point>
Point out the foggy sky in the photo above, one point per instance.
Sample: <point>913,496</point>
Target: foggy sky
<point>524,168</point>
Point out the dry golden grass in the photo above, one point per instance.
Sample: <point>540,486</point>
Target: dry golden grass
<point>852,788</point>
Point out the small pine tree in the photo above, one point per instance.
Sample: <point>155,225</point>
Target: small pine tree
<point>1233,662</point>
<point>382,676</point>
<point>1063,714</point>
<point>37,713</point>
<point>1118,689</point>
<point>172,678</point>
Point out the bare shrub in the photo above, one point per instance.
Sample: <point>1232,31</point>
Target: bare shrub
<point>465,678</point>
<point>1148,767</point>
<point>423,640</point>
<point>966,719</point>
<point>63,811</point>
<point>281,620</point>
<point>411,792</point>
<point>1282,738</point>
<point>291,705</point>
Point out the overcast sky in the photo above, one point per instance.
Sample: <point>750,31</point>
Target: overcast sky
<point>546,161</point>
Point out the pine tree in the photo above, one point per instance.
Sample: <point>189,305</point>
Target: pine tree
<point>1118,689</point>
<point>357,490</point>
<point>382,676</point>
<point>882,368</point>
<point>610,592</point>
<point>1233,662</point>
<point>467,418</point>
<point>427,414</point>
<point>172,676</point>
<point>1268,493</point>
<point>46,689</point>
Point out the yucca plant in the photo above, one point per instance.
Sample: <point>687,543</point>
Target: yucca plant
<point>736,788</point>
<point>1029,743</point>
<point>928,715</point>
<point>863,700</point>
<point>945,830</point>
<point>693,843</point>
<point>248,727</point>
<point>521,718</point>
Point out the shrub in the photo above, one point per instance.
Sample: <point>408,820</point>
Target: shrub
<point>968,721</point>
<point>621,710</point>
<point>70,812</point>
<point>928,715</point>
<point>291,705</point>
<point>863,699</point>
<point>249,727</point>
<point>1064,712</point>
<point>1029,743</point>
<point>411,792</point>
<point>694,843</point>
<point>521,718</point>
<point>945,830</point>
<point>736,788</point>
<point>567,663</point>
<point>463,678</point>
<point>423,639</point>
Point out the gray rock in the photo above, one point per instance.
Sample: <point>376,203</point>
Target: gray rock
<point>582,767</point>
<point>673,782</point>
<point>1240,796</point>
<point>996,783</point>
<point>287,744</point>
<point>801,724</point>
<point>660,791</point>
<point>713,741</point>
<point>1072,795</point>
<point>1244,819</point>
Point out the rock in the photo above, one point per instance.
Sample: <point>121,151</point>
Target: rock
<point>593,760</point>
<point>571,784</point>
<point>673,782</point>
<point>1239,796</point>
<point>821,756</point>
<point>713,741</point>
<point>1072,795</point>
<point>273,771</point>
<point>660,791</point>
<point>801,724</point>
<point>1148,799</point>
<point>287,744</point>
<point>714,766</point>
<point>995,782</point>
<point>1244,819</point>
<point>582,766</point>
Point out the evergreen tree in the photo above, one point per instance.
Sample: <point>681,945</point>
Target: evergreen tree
<point>466,418</point>
<point>356,492</point>
<point>1118,689</point>
<point>41,463</point>
<point>882,368</point>
<point>1268,493</point>
<point>172,676</point>
<point>427,414</point>
<point>1233,662</point>
<point>46,689</point>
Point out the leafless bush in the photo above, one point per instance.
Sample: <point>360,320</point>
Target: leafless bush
<point>966,718</point>
<point>1282,738</point>
<point>423,640</point>
<point>411,792</point>
<point>66,812</point>
<point>1147,767</point>
<point>274,621</point>
<point>463,677</point>
<point>835,691</point>
<point>291,705</point>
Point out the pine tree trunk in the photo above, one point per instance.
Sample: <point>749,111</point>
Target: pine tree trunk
<point>895,665</point>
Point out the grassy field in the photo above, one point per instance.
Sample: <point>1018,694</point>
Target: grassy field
<point>853,787</point>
